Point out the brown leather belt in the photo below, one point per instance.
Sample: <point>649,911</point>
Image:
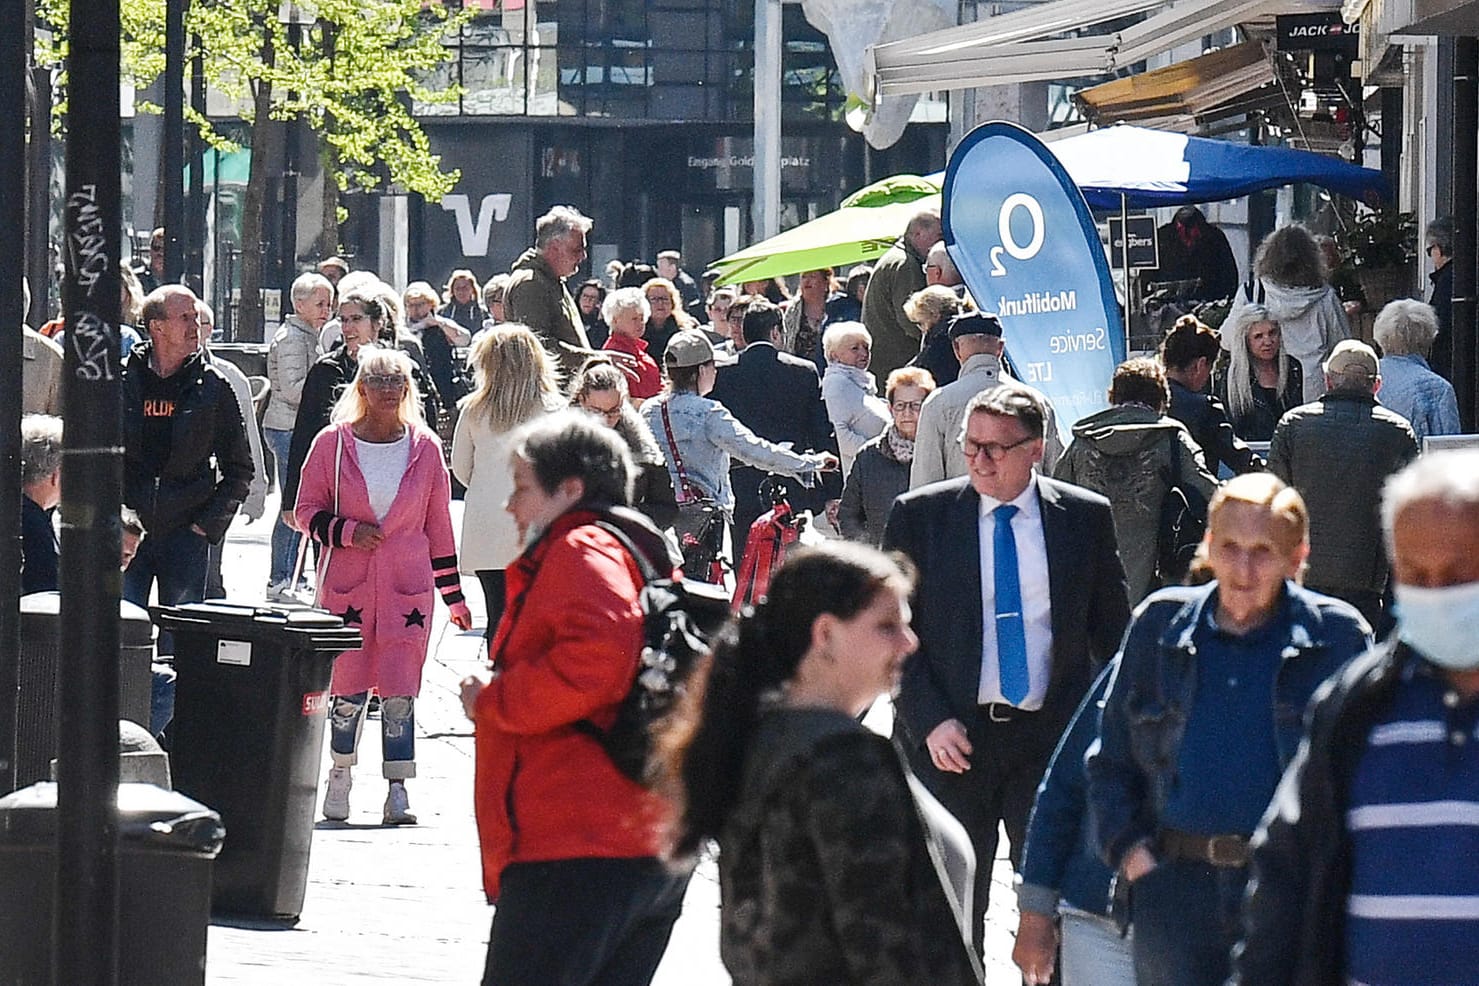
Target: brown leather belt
<point>1225,851</point>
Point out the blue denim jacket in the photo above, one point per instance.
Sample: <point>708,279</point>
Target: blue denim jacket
<point>708,436</point>
<point>1133,765</point>
<point>1059,860</point>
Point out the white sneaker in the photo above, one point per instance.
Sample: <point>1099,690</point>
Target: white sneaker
<point>280,592</point>
<point>398,806</point>
<point>336,798</point>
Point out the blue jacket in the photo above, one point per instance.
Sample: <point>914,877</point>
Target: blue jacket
<point>1059,860</point>
<point>1131,769</point>
<point>708,437</point>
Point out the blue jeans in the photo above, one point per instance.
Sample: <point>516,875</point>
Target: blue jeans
<point>284,538</point>
<point>583,922</point>
<point>178,561</point>
<point>1093,952</point>
<point>161,697</point>
<point>1187,918</point>
<point>397,732</point>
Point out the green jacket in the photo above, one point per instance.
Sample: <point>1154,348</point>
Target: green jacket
<point>539,299</point>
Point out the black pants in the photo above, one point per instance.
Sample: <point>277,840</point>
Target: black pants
<point>492,580</point>
<point>1008,760</point>
<point>583,922</point>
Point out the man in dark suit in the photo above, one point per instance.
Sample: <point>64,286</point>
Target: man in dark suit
<point>779,397</point>
<point>1021,599</point>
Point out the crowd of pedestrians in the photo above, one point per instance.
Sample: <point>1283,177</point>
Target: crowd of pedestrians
<point>1135,727</point>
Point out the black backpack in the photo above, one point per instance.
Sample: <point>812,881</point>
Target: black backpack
<point>1183,523</point>
<point>682,619</point>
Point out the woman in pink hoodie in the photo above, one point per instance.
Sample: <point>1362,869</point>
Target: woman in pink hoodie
<point>375,493</point>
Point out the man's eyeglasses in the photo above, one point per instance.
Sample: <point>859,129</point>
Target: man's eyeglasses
<point>995,451</point>
<point>902,406</point>
<point>385,381</point>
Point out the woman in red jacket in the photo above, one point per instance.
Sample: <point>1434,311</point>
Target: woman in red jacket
<point>569,843</point>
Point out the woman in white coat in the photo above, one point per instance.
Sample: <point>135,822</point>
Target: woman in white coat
<point>856,411</point>
<point>516,382</point>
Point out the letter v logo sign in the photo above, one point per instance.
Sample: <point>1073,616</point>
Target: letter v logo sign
<point>474,235</point>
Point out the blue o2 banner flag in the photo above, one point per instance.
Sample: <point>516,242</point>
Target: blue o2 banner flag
<point>1019,231</point>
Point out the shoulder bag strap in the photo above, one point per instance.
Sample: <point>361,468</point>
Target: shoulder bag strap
<point>688,489</point>
<point>328,552</point>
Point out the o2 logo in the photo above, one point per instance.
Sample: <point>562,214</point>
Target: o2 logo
<point>1009,244</point>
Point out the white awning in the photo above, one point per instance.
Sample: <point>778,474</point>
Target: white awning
<point>1011,48</point>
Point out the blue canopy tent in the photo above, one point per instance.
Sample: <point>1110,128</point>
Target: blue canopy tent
<point>1133,167</point>
<point>1123,167</point>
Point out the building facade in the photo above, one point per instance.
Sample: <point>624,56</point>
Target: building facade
<point>638,113</point>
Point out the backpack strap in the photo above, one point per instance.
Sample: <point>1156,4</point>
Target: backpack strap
<point>1253,290</point>
<point>649,571</point>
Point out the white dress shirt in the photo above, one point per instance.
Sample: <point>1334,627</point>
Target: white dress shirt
<point>1037,614</point>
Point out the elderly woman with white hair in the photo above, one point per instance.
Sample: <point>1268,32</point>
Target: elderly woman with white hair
<point>856,411</point>
<point>626,311</point>
<point>1261,380</point>
<point>1405,331</point>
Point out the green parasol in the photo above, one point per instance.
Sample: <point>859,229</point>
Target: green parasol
<point>868,223</point>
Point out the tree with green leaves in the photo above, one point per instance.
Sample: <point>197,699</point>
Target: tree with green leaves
<point>351,77</point>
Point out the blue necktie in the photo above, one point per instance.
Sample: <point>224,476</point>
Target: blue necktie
<point>1011,636</point>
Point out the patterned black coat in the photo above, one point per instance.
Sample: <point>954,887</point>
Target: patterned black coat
<point>825,867</point>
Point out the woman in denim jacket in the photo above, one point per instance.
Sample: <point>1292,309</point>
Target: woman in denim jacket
<point>1203,715</point>
<point>707,436</point>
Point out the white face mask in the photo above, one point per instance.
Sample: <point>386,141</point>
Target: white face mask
<point>1439,623</point>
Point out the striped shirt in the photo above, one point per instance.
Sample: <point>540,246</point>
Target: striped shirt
<point>1413,820</point>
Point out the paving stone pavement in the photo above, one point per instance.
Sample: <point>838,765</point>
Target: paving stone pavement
<point>405,904</point>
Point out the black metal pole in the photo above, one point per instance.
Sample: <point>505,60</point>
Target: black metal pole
<point>195,255</point>
<point>13,33</point>
<point>40,269</point>
<point>1391,135</point>
<point>1465,216</point>
<point>86,922</point>
<point>172,161</point>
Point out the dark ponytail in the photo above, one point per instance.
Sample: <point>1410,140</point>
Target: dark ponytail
<point>702,750</point>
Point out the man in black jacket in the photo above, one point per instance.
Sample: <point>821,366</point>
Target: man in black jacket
<point>187,463</point>
<point>1021,600</point>
<point>779,397</point>
<point>1364,869</point>
<point>1338,451</point>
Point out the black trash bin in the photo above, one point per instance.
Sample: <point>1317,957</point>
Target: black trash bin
<point>166,842</point>
<point>37,718</point>
<point>250,704</point>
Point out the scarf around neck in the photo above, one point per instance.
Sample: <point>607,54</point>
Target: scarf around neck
<point>896,447</point>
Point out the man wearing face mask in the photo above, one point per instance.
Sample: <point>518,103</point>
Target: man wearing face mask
<point>1365,869</point>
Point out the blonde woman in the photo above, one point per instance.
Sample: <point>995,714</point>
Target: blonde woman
<point>667,317</point>
<point>931,309</point>
<point>515,382</point>
<point>375,495</point>
<point>1261,380</point>
<point>849,390</point>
